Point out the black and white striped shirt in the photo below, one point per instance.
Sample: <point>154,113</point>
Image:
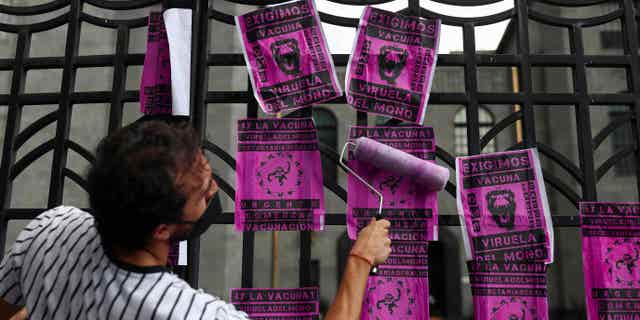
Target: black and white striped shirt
<point>58,269</point>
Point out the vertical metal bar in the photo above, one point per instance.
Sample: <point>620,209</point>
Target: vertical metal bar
<point>630,30</point>
<point>361,118</point>
<point>275,259</point>
<point>414,10</point>
<point>305,238</point>
<point>471,86</point>
<point>528,116</point>
<point>583,120</point>
<point>414,7</point>
<point>64,111</point>
<point>12,128</point>
<point>248,237</point>
<point>305,259</point>
<point>119,79</point>
<point>198,91</point>
<point>515,86</point>
<point>199,68</point>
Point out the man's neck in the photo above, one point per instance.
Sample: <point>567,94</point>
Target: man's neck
<point>154,254</point>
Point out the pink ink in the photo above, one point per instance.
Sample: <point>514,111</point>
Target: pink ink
<point>401,288</point>
<point>155,86</point>
<point>509,291</point>
<point>286,53</point>
<point>392,65</point>
<point>503,207</point>
<point>611,259</point>
<point>279,176</point>
<point>409,206</point>
<point>276,304</point>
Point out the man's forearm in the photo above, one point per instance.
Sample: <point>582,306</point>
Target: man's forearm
<point>348,302</point>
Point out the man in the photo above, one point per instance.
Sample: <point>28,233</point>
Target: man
<point>150,186</point>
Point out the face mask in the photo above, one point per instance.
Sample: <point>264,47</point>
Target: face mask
<point>200,226</point>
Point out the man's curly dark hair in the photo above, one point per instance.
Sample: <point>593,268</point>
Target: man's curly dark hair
<point>132,184</point>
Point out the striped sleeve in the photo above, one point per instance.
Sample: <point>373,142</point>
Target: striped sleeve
<point>11,266</point>
<point>10,288</point>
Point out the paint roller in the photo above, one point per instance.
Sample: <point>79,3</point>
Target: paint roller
<point>429,175</point>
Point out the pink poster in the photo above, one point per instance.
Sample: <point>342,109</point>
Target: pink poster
<point>401,288</point>
<point>503,206</point>
<point>278,304</point>
<point>392,65</point>
<point>286,53</point>
<point>279,176</point>
<point>611,259</point>
<point>508,291</point>
<point>409,207</point>
<point>155,86</point>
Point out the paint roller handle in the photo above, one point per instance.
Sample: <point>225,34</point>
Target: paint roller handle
<point>374,268</point>
<point>379,215</point>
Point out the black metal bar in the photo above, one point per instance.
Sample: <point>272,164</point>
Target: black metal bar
<point>564,220</point>
<point>11,130</point>
<point>444,60</point>
<point>471,86</point>
<point>524,74</point>
<point>64,112</point>
<point>583,120</point>
<point>630,30</point>
<point>248,237</point>
<point>435,98</point>
<point>33,10</point>
<point>199,37</point>
<point>119,79</point>
<point>414,7</point>
<point>305,240</point>
<point>199,71</point>
<point>305,259</point>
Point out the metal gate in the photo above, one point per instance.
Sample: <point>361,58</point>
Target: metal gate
<point>520,59</point>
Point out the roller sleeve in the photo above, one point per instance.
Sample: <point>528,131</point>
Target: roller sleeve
<point>430,175</point>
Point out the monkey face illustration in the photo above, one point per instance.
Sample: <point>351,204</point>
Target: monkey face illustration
<point>286,53</point>
<point>502,205</point>
<point>391,62</point>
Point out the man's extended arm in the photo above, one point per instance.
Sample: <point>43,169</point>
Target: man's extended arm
<point>371,248</point>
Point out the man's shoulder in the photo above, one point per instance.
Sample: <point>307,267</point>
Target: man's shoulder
<point>57,215</point>
<point>62,212</point>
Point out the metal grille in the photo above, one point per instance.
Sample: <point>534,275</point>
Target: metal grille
<point>586,174</point>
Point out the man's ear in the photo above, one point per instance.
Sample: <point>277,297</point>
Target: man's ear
<point>162,232</point>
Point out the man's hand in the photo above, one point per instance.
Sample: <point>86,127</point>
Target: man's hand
<point>373,242</point>
<point>21,315</point>
<point>374,246</point>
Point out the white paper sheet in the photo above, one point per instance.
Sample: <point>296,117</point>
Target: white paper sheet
<point>182,253</point>
<point>178,25</point>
